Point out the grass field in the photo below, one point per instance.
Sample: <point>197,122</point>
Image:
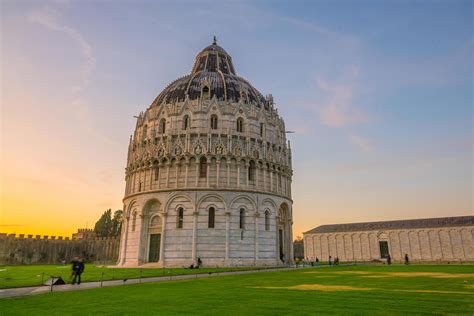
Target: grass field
<point>32,275</point>
<point>363,290</point>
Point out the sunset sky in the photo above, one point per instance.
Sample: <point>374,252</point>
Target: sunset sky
<point>379,94</point>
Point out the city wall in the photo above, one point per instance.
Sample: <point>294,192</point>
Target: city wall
<point>29,249</point>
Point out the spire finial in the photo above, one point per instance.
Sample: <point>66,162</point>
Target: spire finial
<point>215,41</point>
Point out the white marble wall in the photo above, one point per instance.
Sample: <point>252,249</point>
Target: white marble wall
<point>224,245</point>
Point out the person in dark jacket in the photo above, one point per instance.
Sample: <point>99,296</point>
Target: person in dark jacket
<point>77,269</point>
<point>407,261</point>
<point>389,260</point>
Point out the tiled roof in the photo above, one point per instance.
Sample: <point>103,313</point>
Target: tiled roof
<point>399,224</point>
<point>213,68</point>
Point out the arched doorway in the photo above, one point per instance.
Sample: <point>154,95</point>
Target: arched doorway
<point>154,238</point>
<point>152,226</point>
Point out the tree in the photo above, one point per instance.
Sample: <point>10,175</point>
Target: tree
<point>107,226</point>
<point>117,223</point>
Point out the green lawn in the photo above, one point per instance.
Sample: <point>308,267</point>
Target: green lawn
<point>31,275</point>
<point>363,290</point>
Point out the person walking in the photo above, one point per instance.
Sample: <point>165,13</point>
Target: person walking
<point>77,269</point>
<point>407,261</point>
<point>330,260</point>
<point>389,259</point>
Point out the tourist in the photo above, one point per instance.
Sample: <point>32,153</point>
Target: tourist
<point>317,261</point>
<point>389,259</point>
<point>406,259</point>
<point>77,269</point>
<point>336,261</point>
<point>329,261</point>
<point>199,262</point>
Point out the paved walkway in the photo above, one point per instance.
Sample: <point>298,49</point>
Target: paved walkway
<point>23,291</point>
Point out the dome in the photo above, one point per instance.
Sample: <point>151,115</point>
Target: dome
<point>213,69</point>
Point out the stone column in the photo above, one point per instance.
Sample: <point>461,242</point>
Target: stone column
<point>352,247</point>
<point>123,256</point>
<point>160,166</point>
<point>195,217</point>
<point>462,243</point>
<point>257,177</point>
<point>197,173</point>
<point>256,216</point>
<point>164,216</point>
<point>218,171</point>
<point>277,241</point>
<point>227,234</point>
<point>247,166</point>
<point>238,174</point>
<point>228,173</point>
<point>187,174</point>
<point>320,248</point>
<point>271,180</point>
<point>133,182</point>
<point>168,166</point>
<point>144,179</point>
<point>264,178</point>
<point>151,177</point>
<point>208,172</point>
<point>178,164</point>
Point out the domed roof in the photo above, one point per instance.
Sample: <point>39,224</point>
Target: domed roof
<point>213,69</point>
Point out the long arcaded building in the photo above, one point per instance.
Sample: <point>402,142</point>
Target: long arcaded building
<point>444,239</point>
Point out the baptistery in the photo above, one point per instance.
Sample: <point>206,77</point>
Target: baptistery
<point>208,175</point>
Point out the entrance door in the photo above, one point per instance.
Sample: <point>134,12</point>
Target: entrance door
<point>383,249</point>
<point>280,239</point>
<point>154,251</point>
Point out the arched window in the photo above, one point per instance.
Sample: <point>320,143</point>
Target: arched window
<point>252,171</point>
<point>185,122</point>
<point>262,128</point>
<point>157,173</point>
<point>212,217</point>
<point>203,167</point>
<point>213,121</point>
<point>180,218</point>
<point>242,219</point>
<point>134,220</point>
<point>162,126</point>
<point>267,220</point>
<point>205,93</point>
<point>240,125</point>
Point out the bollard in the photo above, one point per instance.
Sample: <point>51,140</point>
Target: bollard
<point>102,279</point>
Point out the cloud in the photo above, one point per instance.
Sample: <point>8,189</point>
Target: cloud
<point>49,18</point>
<point>362,143</point>
<point>336,108</point>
